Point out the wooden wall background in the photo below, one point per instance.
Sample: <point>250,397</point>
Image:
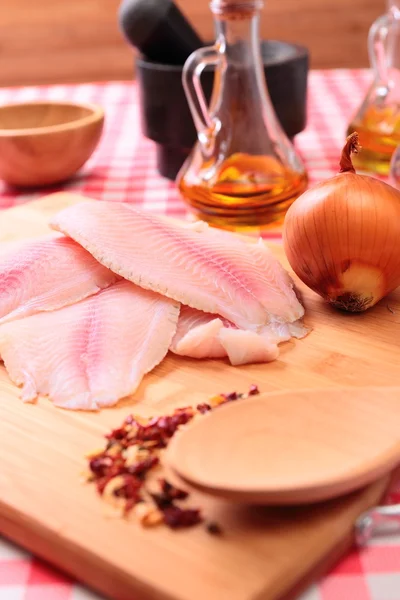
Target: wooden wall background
<point>78,40</point>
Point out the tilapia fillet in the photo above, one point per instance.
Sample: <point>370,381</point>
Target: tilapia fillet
<point>47,274</point>
<point>219,274</point>
<point>204,335</point>
<point>90,354</point>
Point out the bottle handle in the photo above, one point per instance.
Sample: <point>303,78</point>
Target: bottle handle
<point>206,124</point>
<point>377,47</point>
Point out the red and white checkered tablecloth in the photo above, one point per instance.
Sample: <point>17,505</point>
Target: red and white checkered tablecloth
<point>123,168</point>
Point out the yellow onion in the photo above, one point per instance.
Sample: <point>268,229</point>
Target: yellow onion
<point>342,237</point>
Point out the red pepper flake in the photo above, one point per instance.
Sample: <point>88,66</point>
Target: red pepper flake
<point>214,528</point>
<point>130,488</point>
<point>101,483</point>
<point>253,391</point>
<point>99,465</point>
<point>140,469</point>
<point>203,408</point>
<point>230,397</point>
<point>132,453</point>
<point>172,492</point>
<point>116,434</point>
<point>177,518</point>
<point>161,501</point>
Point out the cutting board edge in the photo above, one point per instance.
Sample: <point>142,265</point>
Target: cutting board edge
<point>84,567</point>
<point>335,555</point>
<point>104,578</point>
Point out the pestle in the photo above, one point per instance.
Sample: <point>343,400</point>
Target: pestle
<point>159,30</point>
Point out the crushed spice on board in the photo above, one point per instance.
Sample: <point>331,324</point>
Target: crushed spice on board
<point>214,528</point>
<point>122,471</point>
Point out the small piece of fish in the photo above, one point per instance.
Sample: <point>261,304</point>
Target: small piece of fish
<point>204,335</point>
<point>46,274</point>
<point>90,354</point>
<point>197,334</point>
<point>199,267</point>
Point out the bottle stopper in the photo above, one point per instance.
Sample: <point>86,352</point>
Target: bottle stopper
<point>223,6</point>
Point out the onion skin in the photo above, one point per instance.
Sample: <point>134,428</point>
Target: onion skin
<point>342,238</point>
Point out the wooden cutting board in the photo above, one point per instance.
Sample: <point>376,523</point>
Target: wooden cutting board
<point>264,554</point>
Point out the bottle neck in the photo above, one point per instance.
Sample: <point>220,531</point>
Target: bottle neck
<point>239,39</point>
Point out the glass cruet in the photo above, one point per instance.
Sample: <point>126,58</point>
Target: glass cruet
<point>378,118</point>
<point>395,168</point>
<point>243,170</point>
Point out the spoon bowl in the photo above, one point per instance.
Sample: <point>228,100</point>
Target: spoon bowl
<point>291,447</point>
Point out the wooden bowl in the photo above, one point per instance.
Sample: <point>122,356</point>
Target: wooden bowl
<point>43,143</point>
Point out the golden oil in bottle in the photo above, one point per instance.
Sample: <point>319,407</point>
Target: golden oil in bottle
<point>248,190</point>
<point>379,136</point>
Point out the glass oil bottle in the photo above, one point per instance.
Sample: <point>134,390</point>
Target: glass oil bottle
<point>378,119</point>
<point>243,171</point>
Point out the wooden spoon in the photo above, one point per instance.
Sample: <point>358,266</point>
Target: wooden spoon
<point>291,447</point>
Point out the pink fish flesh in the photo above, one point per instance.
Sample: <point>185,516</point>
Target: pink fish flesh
<point>90,354</point>
<point>47,274</point>
<point>213,272</point>
<point>197,334</point>
<point>204,335</point>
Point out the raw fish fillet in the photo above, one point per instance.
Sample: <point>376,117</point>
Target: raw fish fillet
<point>213,272</point>
<point>204,335</point>
<point>46,274</point>
<point>90,354</point>
<point>278,290</point>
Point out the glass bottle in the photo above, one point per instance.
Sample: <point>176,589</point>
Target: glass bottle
<point>395,168</point>
<point>378,118</point>
<point>243,170</point>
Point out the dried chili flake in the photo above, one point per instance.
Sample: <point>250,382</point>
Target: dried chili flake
<point>253,391</point>
<point>203,408</point>
<point>140,468</point>
<point>129,488</point>
<point>129,505</point>
<point>214,528</point>
<point>162,502</point>
<point>185,409</point>
<point>132,452</point>
<point>172,492</point>
<point>178,518</point>
<point>103,482</point>
<point>107,466</point>
<point>147,433</point>
<point>116,434</point>
<point>99,465</point>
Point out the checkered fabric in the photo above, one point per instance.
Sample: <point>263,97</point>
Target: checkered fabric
<point>124,169</point>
